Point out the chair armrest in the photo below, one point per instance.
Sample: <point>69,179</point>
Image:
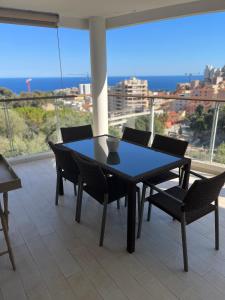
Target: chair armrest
<point>164,193</point>
<point>197,175</point>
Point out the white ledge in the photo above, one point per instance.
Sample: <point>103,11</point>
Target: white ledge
<point>30,157</point>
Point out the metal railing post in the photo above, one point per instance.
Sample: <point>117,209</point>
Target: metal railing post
<point>152,117</point>
<point>57,121</point>
<point>8,126</point>
<point>213,132</point>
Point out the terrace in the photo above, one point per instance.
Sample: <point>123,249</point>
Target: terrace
<point>58,259</point>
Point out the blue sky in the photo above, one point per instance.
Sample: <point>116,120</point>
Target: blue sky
<point>169,47</point>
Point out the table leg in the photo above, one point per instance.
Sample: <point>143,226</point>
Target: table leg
<point>186,168</point>
<point>6,211</point>
<point>6,236</point>
<point>131,217</point>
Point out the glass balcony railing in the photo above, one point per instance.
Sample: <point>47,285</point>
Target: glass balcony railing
<point>26,124</point>
<point>200,121</point>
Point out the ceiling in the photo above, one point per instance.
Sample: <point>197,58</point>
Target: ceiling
<point>88,8</point>
<point>75,13</point>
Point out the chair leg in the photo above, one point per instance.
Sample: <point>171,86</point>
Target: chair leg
<point>126,200</point>
<point>61,189</point>
<point>180,176</point>
<point>184,242</point>
<point>6,209</point>
<point>149,206</point>
<point>5,232</point>
<point>79,201</point>
<point>57,190</point>
<point>141,211</point>
<point>75,189</point>
<point>105,205</point>
<point>118,204</point>
<point>139,202</point>
<point>216,226</point>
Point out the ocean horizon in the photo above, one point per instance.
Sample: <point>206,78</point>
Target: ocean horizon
<point>155,83</point>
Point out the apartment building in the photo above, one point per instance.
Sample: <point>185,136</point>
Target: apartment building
<point>85,88</point>
<point>129,95</point>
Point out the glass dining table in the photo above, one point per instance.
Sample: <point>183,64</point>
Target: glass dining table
<point>132,163</point>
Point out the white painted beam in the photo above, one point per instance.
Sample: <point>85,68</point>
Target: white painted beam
<point>75,23</point>
<point>168,12</point>
<point>27,17</point>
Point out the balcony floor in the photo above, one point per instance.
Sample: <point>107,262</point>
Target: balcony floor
<point>57,258</point>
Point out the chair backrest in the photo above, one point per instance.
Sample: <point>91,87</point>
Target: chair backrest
<point>136,136</point>
<point>169,145</point>
<point>203,192</point>
<point>64,159</point>
<point>91,174</point>
<point>70,134</point>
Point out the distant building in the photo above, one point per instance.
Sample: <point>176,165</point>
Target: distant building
<point>221,92</point>
<point>211,87</point>
<point>67,91</point>
<point>207,91</point>
<point>124,95</point>
<point>183,86</point>
<point>178,105</point>
<point>85,88</point>
<point>195,84</point>
<point>214,75</point>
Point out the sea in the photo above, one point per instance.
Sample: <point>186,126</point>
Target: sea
<point>155,83</point>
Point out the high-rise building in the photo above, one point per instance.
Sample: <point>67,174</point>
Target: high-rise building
<point>129,95</point>
<point>214,75</point>
<point>85,88</point>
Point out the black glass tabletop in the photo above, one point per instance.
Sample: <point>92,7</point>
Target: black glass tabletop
<point>130,159</point>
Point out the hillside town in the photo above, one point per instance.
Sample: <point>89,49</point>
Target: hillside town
<point>131,97</point>
<point>185,113</point>
<point>178,116</point>
<point>131,94</point>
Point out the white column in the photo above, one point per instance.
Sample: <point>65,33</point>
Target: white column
<point>99,74</point>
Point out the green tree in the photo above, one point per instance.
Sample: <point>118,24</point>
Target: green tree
<point>220,153</point>
<point>159,123</point>
<point>17,125</point>
<point>142,123</point>
<point>199,110</point>
<point>114,131</point>
<point>201,125</point>
<point>6,93</point>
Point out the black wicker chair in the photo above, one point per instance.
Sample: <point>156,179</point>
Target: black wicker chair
<point>141,138</point>
<point>65,168</point>
<point>136,136</point>
<point>70,134</point>
<point>104,189</point>
<point>170,146</point>
<point>189,206</point>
